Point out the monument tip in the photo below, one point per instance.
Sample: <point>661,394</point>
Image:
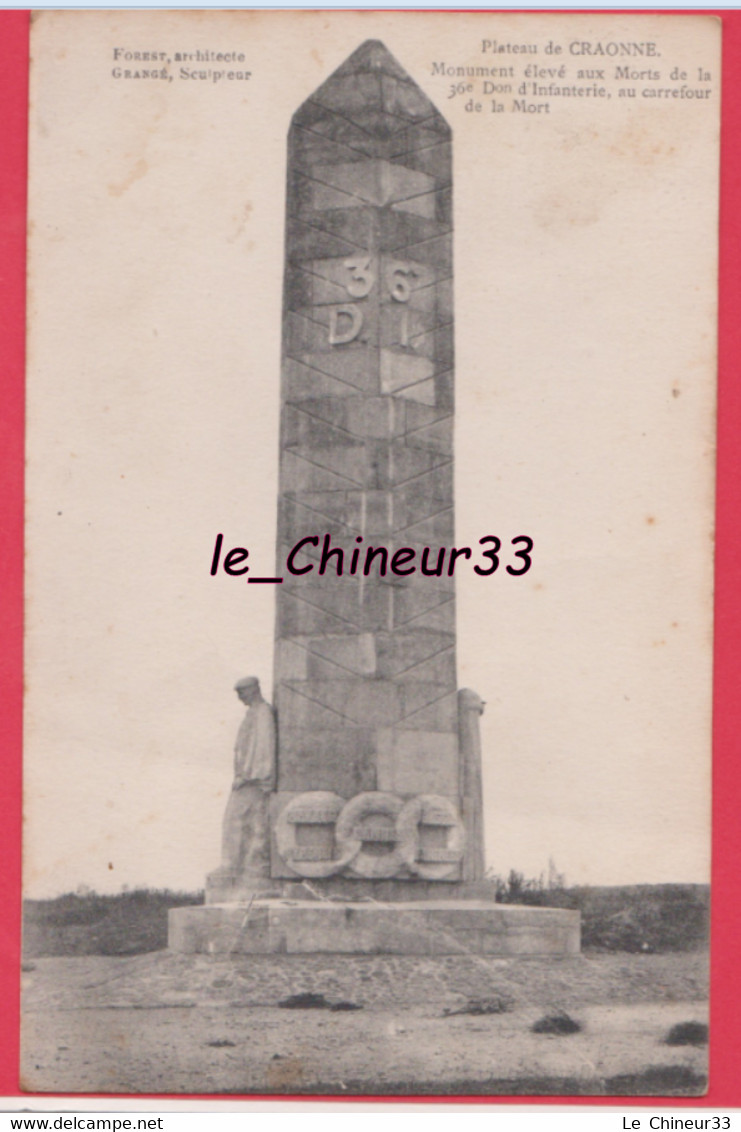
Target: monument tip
<point>371,57</point>
<point>372,92</point>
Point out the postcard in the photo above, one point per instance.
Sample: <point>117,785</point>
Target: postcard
<point>371,458</point>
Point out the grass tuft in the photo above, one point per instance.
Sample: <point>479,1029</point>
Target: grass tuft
<point>306,1000</point>
<point>687,1034</point>
<point>558,1024</point>
<point>498,1005</point>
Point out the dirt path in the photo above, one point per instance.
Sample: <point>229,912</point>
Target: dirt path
<point>192,1024</point>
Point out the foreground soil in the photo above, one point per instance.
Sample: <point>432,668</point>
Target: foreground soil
<point>171,1023</point>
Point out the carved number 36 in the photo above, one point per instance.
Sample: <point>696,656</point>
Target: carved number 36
<point>362,278</point>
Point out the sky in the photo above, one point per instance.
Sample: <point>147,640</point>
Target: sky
<point>584,296</point>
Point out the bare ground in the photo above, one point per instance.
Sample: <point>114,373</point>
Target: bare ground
<point>172,1023</point>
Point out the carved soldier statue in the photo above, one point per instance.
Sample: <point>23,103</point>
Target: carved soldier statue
<point>245,846</point>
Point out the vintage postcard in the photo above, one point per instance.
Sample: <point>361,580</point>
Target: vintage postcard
<point>371,439</point>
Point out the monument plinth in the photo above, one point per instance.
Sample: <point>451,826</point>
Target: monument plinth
<point>377,809</point>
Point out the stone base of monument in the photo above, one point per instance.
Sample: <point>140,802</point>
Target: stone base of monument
<point>421,927</point>
<point>226,887</point>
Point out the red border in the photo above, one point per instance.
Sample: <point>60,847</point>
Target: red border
<point>13,150</point>
<point>725,1032</point>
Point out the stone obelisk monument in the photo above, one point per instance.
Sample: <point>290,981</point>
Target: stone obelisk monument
<point>365,671</point>
<point>378,790</point>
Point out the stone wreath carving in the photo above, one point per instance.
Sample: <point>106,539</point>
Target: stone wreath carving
<point>374,835</point>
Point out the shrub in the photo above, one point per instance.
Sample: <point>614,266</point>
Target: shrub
<point>127,923</point>
<point>687,1034</point>
<point>634,918</point>
<point>559,1023</point>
